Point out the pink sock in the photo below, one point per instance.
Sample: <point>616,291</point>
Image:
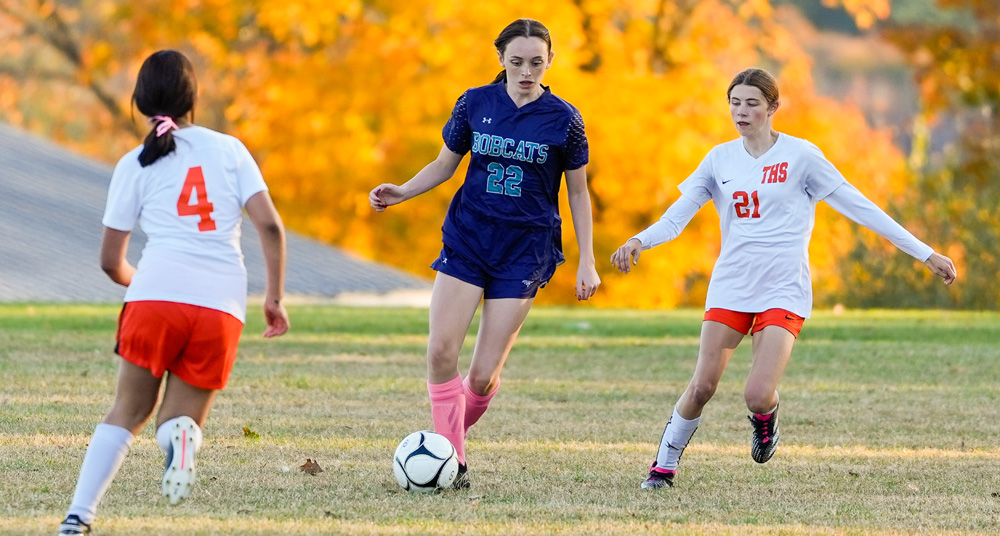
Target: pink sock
<point>448,412</point>
<point>475,405</point>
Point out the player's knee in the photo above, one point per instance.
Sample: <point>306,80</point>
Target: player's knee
<point>442,356</point>
<point>702,392</point>
<point>129,416</point>
<point>481,384</point>
<point>759,400</point>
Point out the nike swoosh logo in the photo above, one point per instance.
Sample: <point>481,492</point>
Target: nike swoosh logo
<point>789,317</point>
<point>730,180</point>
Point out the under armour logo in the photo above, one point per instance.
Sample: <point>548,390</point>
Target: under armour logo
<point>527,283</point>
<point>444,260</point>
<point>488,120</point>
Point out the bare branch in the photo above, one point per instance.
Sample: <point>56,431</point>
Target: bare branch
<point>592,36</point>
<point>54,31</point>
<point>666,29</point>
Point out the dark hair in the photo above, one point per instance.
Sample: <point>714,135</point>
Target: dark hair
<point>758,78</point>
<point>166,86</point>
<point>519,28</point>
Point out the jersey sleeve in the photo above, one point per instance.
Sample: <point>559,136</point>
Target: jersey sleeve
<point>457,133</point>
<point>850,202</point>
<point>577,149</point>
<point>822,178</point>
<point>122,209</point>
<point>670,225</point>
<point>700,186</point>
<point>248,176</point>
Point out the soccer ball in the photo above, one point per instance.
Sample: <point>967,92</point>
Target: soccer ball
<point>424,462</point>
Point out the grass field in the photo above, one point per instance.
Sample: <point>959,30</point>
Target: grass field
<point>889,426</point>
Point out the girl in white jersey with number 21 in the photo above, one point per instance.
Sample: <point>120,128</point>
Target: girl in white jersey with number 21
<point>186,187</point>
<point>765,186</point>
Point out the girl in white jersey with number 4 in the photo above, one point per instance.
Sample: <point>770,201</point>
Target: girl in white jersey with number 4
<point>186,187</point>
<point>765,186</point>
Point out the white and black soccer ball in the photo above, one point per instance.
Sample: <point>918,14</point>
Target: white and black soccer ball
<point>425,461</point>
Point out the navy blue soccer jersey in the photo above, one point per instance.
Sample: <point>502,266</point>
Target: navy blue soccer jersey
<point>506,213</point>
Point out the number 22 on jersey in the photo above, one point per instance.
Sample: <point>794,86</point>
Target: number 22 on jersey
<point>195,182</point>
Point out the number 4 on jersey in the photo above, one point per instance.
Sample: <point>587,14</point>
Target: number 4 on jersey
<point>195,182</point>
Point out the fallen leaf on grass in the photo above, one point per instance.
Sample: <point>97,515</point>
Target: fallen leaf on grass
<point>311,467</point>
<point>247,432</point>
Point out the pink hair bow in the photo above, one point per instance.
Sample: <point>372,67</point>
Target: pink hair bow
<point>164,124</point>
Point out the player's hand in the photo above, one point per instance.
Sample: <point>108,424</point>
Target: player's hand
<point>629,251</point>
<point>587,281</point>
<point>276,317</point>
<point>385,195</point>
<point>942,267</point>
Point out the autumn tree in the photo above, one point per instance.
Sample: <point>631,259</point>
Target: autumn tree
<point>335,96</point>
<point>955,193</point>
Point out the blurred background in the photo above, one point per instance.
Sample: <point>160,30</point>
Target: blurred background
<point>335,96</point>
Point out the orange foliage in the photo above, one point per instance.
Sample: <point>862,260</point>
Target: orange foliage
<point>336,96</point>
<point>865,12</point>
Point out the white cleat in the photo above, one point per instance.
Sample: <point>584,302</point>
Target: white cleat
<point>179,474</point>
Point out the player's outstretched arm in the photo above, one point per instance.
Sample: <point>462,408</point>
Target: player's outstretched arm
<point>627,255</point>
<point>942,267</point>
<point>587,280</point>
<point>667,228</point>
<point>266,220</point>
<point>441,169</point>
<point>114,245</point>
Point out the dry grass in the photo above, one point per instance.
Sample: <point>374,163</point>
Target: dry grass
<point>888,425</point>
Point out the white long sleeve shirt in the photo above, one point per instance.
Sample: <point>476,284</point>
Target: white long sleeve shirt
<point>766,209</point>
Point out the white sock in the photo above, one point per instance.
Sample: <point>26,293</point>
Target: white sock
<point>675,439</point>
<point>105,454</point>
<point>163,434</point>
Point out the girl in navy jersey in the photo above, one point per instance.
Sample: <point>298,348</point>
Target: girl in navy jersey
<point>502,239</point>
<point>765,186</point>
<point>186,187</point>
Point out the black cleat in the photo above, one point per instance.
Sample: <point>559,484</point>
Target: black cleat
<point>659,478</point>
<point>72,526</point>
<point>764,440</point>
<point>462,480</point>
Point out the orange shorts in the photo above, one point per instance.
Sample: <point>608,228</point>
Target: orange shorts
<point>754,322</point>
<point>197,344</point>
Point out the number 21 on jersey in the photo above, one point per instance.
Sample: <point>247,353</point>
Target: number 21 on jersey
<point>747,205</point>
<point>195,183</point>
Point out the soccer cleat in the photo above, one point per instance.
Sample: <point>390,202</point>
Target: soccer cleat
<point>73,526</point>
<point>462,479</point>
<point>179,474</point>
<point>764,440</point>
<point>659,478</point>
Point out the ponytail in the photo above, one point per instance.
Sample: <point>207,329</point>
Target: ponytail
<point>160,140</point>
<point>165,89</point>
<point>500,77</point>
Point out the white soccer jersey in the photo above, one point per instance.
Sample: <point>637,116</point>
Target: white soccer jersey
<point>766,209</point>
<point>190,205</point>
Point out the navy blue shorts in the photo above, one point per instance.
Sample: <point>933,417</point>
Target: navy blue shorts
<point>461,268</point>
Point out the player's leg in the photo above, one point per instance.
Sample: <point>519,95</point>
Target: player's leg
<point>178,432</point>
<point>499,325</point>
<point>498,328</point>
<point>201,369</point>
<point>135,397</point>
<point>453,305</point>
<point>718,341</point>
<point>772,347</point>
